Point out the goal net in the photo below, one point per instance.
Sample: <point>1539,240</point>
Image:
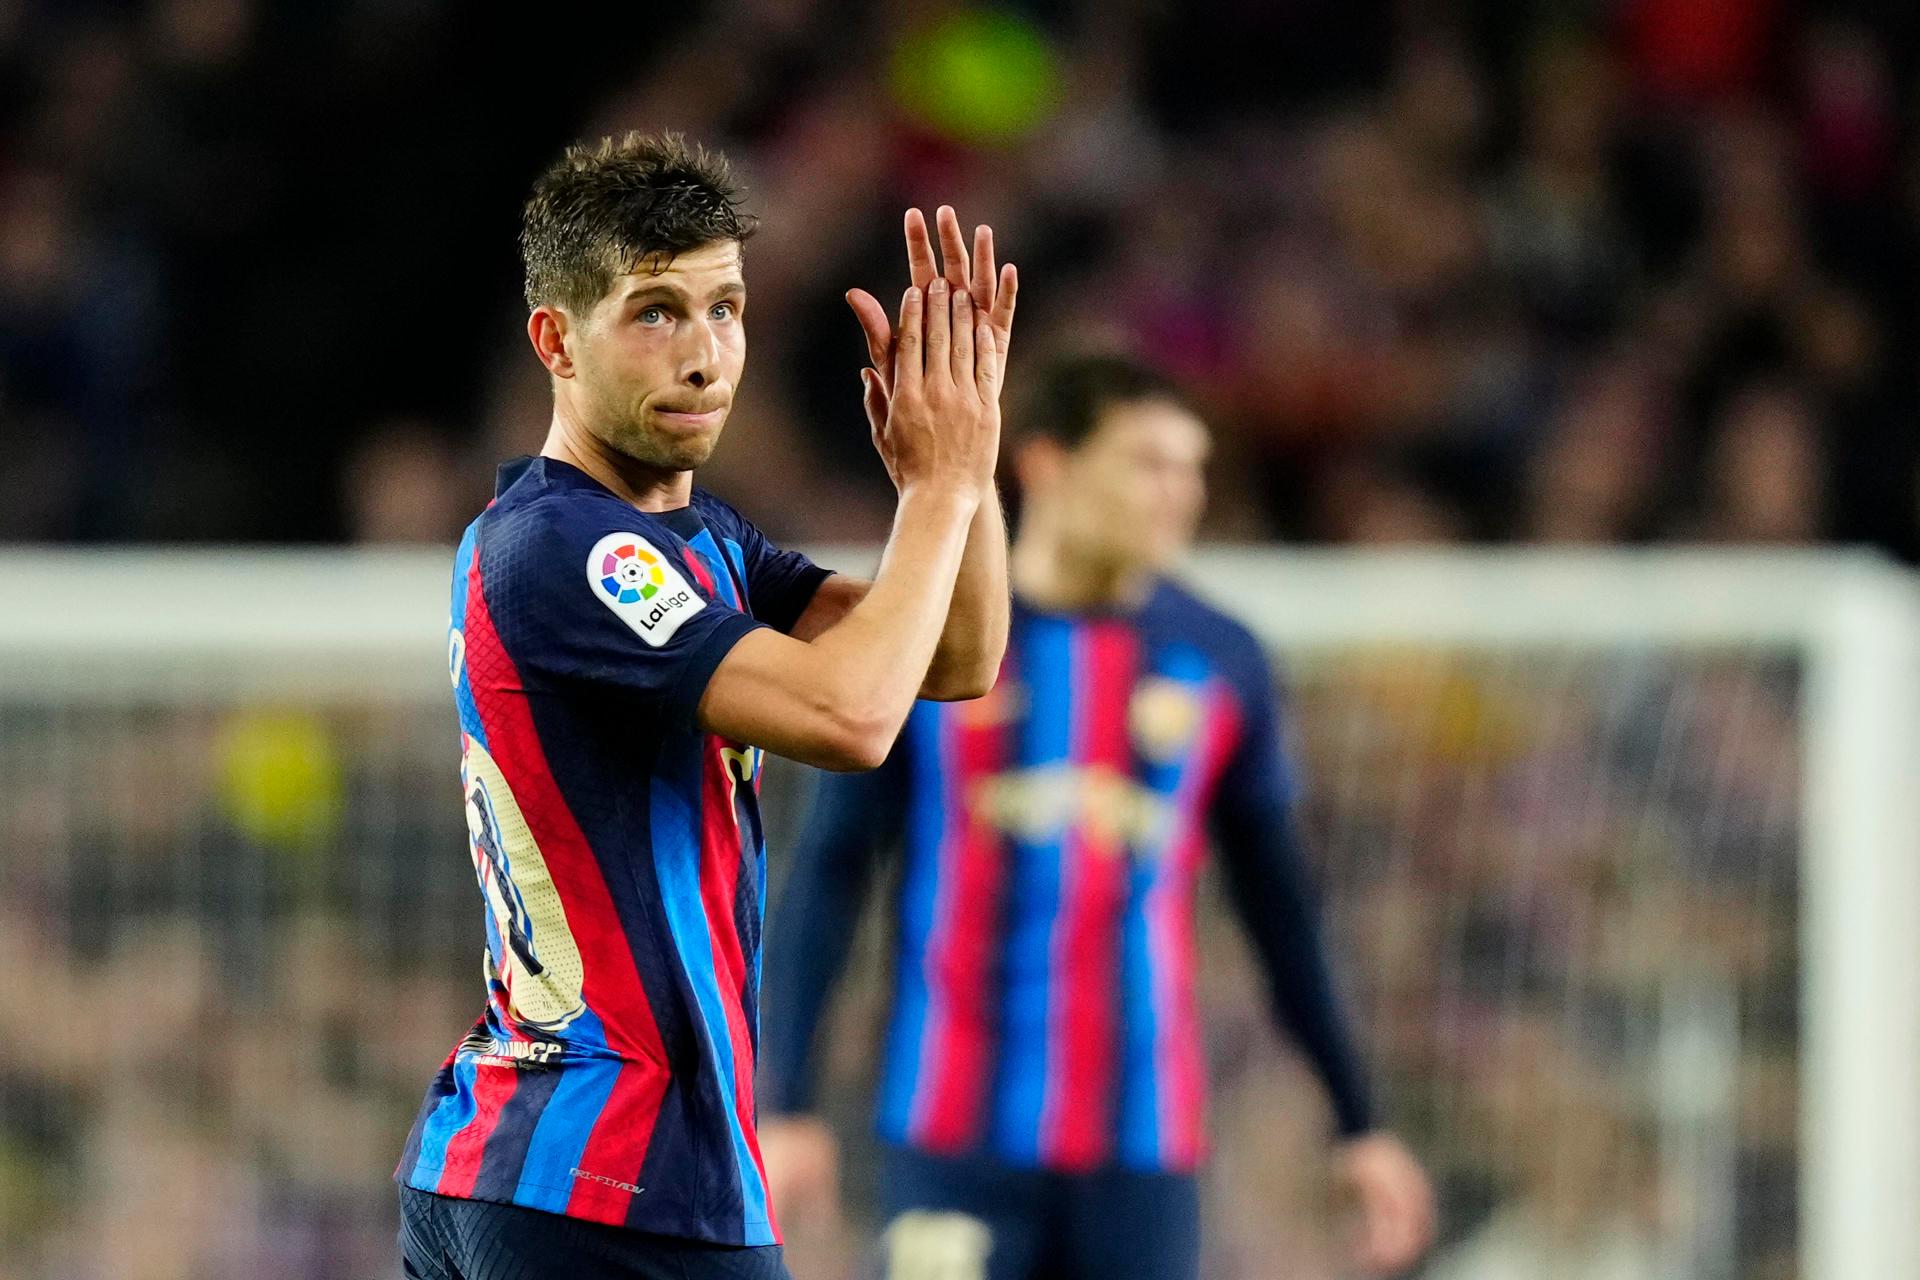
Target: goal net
<point>1620,856</point>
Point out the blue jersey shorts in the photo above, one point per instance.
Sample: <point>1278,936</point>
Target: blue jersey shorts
<point>443,1238</point>
<point>977,1218</point>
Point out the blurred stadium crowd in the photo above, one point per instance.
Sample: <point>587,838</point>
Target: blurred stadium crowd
<point>1614,272</point>
<point>1571,271</point>
<point>237,937</point>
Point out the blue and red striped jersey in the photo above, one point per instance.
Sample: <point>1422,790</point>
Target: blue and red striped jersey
<point>1052,836</point>
<point>619,855</point>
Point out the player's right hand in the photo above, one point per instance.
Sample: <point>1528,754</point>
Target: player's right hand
<point>942,424</point>
<point>993,290</point>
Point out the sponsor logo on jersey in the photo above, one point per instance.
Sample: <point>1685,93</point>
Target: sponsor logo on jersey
<point>1164,716</point>
<point>635,580</point>
<point>1043,803</point>
<point>495,1051</point>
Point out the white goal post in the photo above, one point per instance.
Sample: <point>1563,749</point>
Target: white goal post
<point>87,625</point>
<point>1856,621</point>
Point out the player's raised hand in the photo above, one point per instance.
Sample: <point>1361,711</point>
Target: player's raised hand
<point>941,424</point>
<point>1395,1202</point>
<point>989,297</point>
<point>994,292</point>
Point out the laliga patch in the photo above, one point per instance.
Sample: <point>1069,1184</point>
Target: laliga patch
<point>638,583</point>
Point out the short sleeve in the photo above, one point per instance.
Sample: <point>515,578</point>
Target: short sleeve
<point>780,584</point>
<point>605,600</point>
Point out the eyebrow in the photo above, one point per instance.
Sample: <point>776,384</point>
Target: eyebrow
<point>675,293</point>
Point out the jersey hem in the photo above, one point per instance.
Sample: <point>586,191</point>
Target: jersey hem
<point>1030,1164</point>
<point>678,1228</point>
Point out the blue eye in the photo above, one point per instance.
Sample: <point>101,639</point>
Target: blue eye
<point>722,311</point>
<point>651,315</point>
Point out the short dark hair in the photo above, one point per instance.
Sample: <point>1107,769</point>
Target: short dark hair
<point>604,208</point>
<point>1070,394</point>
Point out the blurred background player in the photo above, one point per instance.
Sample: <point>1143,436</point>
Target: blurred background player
<point>1041,1095</point>
<point>623,648</point>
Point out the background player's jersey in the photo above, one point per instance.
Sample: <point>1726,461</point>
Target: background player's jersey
<point>619,853</point>
<point>1053,834</point>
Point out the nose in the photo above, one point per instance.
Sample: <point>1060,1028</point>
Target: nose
<point>700,360</point>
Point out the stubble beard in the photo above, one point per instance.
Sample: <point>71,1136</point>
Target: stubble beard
<point>651,448</point>
<point>630,432</point>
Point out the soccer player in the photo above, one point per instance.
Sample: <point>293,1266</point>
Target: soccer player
<point>623,648</point>
<point>1042,1075</point>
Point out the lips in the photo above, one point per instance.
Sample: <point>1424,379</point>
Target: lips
<point>690,417</point>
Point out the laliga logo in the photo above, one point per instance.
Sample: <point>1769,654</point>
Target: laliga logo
<point>630,574</point>
<point>661,608</point>
<point>642,587</point>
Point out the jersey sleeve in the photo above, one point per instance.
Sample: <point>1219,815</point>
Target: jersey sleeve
<point>1272,893</point>
<point>606,600</point>
<point>1259,772</point>
<point>780,583</point>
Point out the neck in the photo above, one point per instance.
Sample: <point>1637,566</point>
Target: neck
<point>646,487</point>
<point>1049,573</point>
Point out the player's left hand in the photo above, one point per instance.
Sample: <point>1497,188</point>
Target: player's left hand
<point>994,292</point>
<point>1395,1202</point>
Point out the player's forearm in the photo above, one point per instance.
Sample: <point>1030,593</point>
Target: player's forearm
<point>874,660</point>
<point>1307,1008</point>
<point>967,659</point>
<point>1268,886</point>
<point>837,700</point>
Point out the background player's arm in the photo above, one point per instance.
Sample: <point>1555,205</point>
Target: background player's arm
<point>967,660</point>
<point>838,699</point>
<point>852,817</point>
<point>1268,885</point>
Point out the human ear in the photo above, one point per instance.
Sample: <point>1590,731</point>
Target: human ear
<point>548,329</point>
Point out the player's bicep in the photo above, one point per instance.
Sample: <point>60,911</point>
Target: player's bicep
<point>776,692</point>
<point>834,600</point>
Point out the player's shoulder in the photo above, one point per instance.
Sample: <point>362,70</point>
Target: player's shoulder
<point>1204,623</point>
<point>721,516</point>
<point>555,529</point>
<point>1230,647</point>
